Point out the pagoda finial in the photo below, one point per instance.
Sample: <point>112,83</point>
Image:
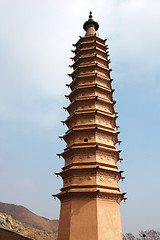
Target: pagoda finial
<point>90,15</point>
<point>90,26</point>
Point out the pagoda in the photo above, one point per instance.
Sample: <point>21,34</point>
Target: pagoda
<point>90,195</point>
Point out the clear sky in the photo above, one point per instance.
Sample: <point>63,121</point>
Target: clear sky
<point>36,38</point>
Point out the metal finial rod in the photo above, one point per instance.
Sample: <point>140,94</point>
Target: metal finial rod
<point>90,15</point>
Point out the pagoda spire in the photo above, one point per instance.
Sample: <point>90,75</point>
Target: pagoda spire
<point>90,26</point>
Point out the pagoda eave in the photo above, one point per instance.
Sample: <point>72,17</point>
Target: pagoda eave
<point>106,189</point>
<point>95,99</point>
<point>90,43</point>
<point>97,112</point>
<point>81,127</point>
<point>78,50</point>
<point>94,85</point>
<point>85,128</point>
<point>86,75</point>
<point>91,57</point>
<point>89,37</point>
<point>90,194</point>
<point>89,51</point>
<point>94,67</point>
<point>90,167</point>
<point>97,163</point>
<point>104,148</point>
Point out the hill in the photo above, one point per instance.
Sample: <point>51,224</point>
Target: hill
<point>13,229</point>
<point>29,218</point>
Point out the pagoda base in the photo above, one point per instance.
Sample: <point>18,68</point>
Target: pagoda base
<point>89,218</point>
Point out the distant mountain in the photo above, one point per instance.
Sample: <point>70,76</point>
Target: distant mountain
<point>30,219</point>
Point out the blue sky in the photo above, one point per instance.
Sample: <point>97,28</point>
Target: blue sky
<point>35,48</point>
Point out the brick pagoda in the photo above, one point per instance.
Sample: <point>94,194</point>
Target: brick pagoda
<point>90,196</point>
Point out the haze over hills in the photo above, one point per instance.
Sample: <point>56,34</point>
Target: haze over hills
<point>30,219</point>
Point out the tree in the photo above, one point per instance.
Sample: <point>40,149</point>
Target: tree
<point>143,235</point>
<point>129,236</point>
<point>150,235</point>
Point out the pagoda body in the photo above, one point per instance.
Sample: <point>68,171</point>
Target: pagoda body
<point>90,196</point>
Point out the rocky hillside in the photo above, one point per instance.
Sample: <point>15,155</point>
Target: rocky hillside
<point>15,226</point>
<point>28,218</point>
